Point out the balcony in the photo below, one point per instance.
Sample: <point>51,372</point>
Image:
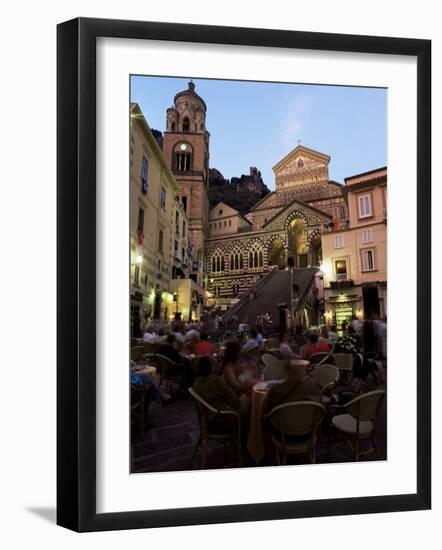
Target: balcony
<point>341,283</point>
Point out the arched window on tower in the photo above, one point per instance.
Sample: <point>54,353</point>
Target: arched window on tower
<point>184,202</point>
<point>182,154</point>
<point>173,126</point>
<point>186,124</point>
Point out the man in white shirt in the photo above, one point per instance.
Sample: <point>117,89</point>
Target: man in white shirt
<point>149,336</point>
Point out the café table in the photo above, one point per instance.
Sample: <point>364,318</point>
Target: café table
<point>255,441</point>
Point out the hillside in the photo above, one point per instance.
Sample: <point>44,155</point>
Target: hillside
<point>240,193</point>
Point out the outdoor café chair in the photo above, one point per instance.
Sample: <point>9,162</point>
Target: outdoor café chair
<point>294,428</point>
<point>149,347</point>
<point>321,357</point>
<point>137,408</point>
<point>207,416</point>
<point>136,352</point>
<point>272,343</point>
<point>359,421</point>
<point>326,377</point>
<point>167,370</point>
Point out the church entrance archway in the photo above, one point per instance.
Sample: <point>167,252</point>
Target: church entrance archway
<point>298,245</point>
<point>276,254</point>
<point>315,251</point>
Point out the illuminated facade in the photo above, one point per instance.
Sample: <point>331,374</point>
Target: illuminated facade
<point>160,247</point>
<point>355,258</point>
<point>283,229</point>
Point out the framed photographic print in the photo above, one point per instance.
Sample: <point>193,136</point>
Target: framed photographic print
<point>243,309</point>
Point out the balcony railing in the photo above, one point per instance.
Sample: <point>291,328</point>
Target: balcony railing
<point>341,283</point>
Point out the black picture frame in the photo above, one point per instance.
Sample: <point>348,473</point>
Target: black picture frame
<point>76,273</point>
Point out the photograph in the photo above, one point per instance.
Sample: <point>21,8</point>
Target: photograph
<point>258,273</point>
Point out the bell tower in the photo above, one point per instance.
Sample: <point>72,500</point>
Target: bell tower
<point>186,150</point>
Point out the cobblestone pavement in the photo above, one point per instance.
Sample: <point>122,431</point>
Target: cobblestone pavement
<point>172,433</point>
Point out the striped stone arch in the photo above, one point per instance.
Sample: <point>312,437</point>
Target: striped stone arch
<point>235,245</point>
<point>295,214</point>
<point>255,253</point>
<point>218,247</point>
<point>270,252</point>
<point>272,238</point>
<point>235,251</point>
<point>255,241</point>
<point>313,235</point>
<point>216,259</point>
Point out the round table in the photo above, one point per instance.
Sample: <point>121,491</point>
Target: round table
<point>255,441</point>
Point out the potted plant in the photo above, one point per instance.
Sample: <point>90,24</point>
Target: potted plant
<point>344,349</point>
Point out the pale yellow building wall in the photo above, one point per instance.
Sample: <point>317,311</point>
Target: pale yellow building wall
<point>183,290</point>
<point>351,252</point>
<point>375,185</point>
<point>145,255</point>
<point>154,262</point>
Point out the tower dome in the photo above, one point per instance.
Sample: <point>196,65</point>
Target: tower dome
<point>188,113</point>
<point>190,96</point>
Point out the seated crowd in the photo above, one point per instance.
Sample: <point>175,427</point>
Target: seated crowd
<point>225,375</point>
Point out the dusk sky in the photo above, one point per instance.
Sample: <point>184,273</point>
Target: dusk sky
<point>258,123</point>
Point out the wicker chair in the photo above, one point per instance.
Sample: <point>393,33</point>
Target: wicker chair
<point>326,376</point>
<point>149,347</point>
<point>137,419</point>
<point>321,358</point>
<point>206,416</point>
<point>136,353</point>
<point>359,421</point>
<point>272,343</point>
<point>294,428</point>
<point>166,369</point>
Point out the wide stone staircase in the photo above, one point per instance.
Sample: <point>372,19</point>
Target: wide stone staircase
<point>272,290</point>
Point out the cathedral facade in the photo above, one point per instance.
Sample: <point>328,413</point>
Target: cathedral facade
<point>232,251</point>
<point>282,230</point>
